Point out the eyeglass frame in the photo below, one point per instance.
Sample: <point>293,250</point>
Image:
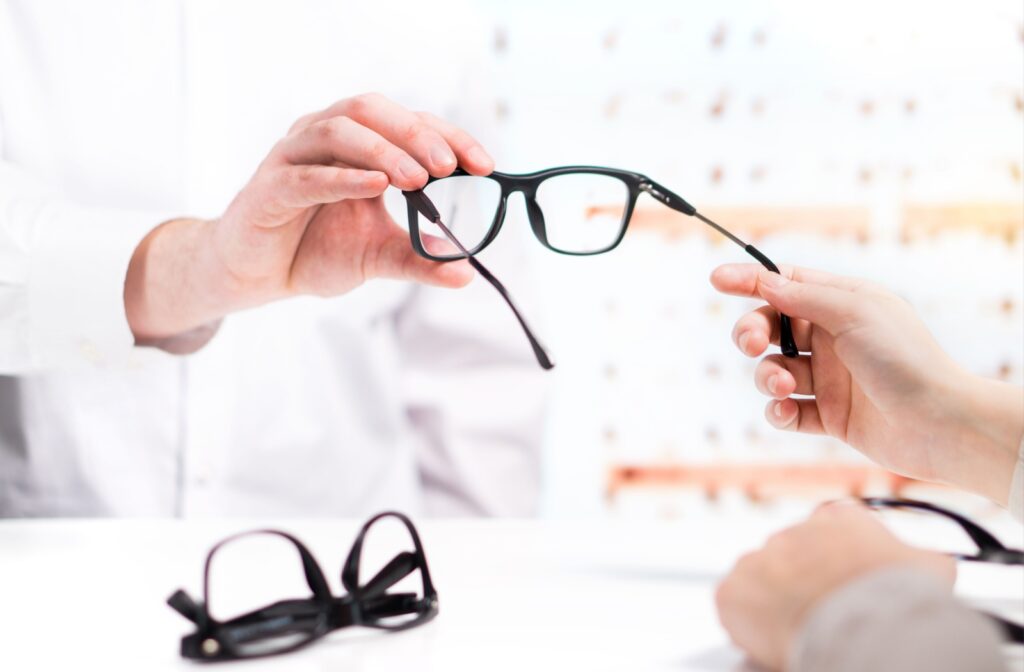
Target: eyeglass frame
<point>363,605</point>
<point>990,549</point>
<point>418,203</point>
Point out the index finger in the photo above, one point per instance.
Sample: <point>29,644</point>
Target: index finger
<point>402,128</point>
<point>741,279</point>
<point>471,153</point>
<point>400,125</point>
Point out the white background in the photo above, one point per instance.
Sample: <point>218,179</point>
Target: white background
<point>876,106</point>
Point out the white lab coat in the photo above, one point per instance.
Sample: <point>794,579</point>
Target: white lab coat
<point>117,115</point>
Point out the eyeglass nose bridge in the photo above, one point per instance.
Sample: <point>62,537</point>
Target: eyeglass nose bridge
<point>533,210</point>
<point>499,220</point>
<point>536,217</point>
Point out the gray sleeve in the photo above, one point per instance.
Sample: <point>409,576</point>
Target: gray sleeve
<point>896,620</point>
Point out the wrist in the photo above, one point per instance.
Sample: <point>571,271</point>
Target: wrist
<point>176,283</point>
<point>991,415</point>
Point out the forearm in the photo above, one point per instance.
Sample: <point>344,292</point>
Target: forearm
<point>176,284</point>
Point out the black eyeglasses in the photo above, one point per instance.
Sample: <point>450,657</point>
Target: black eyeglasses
<point>990,549</point>
<point>288,625</point>
<point>591,205</point>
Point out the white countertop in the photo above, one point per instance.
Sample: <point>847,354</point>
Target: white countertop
<point>610,595</point>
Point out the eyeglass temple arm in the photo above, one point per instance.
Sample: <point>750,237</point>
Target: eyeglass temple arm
<point>678,203</point>
<point>1012,632</point>
<point>401,566</point>
<point>426,208</point>
<point>183,603</point>
<point>985,540</point>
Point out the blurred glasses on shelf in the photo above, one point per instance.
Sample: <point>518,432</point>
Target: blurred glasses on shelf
<point>963,539</point>
<point>290,624</point>
<point>573,210</point>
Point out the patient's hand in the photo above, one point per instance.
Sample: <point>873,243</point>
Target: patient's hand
<point>874,377</point>
<point>767,596</point>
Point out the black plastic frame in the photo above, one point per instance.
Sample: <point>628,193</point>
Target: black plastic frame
<point>527,184</point>
<point>368,604</point>
<point>990,549</point>
<point>418,203</point>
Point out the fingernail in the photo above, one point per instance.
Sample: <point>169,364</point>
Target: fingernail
<point>742,341</point>
<point>409,169</point>
<point>478,156</point>
<point>441,156</point>
<point>772,280</point>
<point>778,410</point>
<point>772,382</point>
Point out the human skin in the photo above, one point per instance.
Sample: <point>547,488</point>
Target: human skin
<point>769,593</point>
<point>872,376</point>
<point>310,221</point>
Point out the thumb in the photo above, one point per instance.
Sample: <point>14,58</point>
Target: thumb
<point>834,309</point>
<point>397,260</point>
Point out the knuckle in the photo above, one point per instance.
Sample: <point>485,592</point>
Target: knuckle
<point>329,130</point>
<point>379,149</point>
<point>360,102</point>
<point>304,175</point>
<point>415,130</point>
<point>364,102</point>
<point>301,122</point>
<point>282,178</point>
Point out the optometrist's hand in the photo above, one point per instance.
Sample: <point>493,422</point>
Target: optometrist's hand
<point>311,220</point>
<point>767,596</point>
<point>876,379</point>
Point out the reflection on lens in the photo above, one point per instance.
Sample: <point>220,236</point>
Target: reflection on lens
<point>258,591</point>
<point>273,636</point>
<point>583,212</point>
<point>390,576</point>
<point>397,610</point>
<point>467,205</point>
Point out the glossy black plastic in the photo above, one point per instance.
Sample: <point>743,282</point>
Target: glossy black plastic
<point>424,206</point>
<point>528,183</point>
<point>304,620</point>
<point>990,549</point>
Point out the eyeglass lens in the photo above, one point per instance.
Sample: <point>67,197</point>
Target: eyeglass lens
<point>263,617</point>
<point>470,205</point>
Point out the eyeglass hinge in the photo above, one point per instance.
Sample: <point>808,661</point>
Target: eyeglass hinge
<point>647,188</point>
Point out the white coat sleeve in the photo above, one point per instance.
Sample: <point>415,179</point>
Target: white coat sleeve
<point>473,390</point>
<point>62,274</point>
<point>476,397</point>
